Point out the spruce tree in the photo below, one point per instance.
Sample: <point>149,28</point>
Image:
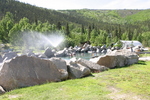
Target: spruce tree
<point>67,31</point>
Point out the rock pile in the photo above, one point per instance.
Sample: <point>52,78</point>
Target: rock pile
<point>22,71</point>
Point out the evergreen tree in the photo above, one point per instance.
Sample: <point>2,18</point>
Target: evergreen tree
<point>119,32</point>
<point>93,36</point>
<point>89,33</point>
<point>82,29</point>
<point>135,35</point>
<point>93,26</point>
<point>58,26</point>
<point>67,31</point>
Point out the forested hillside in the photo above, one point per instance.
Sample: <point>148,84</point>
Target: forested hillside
<point>33,13</point>
<point>97,26</point>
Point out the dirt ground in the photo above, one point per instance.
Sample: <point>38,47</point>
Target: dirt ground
<point>144,58</point>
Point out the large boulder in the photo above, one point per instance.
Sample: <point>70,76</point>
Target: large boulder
<point>129,56</point>
<point>117,58</point>
<point>77,70</point>
<point>112,61</point>
<point>132,59</point>
<point>49,53</point>
<point>61,53</point>
<point>61,66</point>
<point>94,67</point>
<point>77,49</point>
<point>25,71</point>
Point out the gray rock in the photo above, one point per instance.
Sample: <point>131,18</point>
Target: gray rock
<point>61,66</point>
<point>8,56</point>
<point>92,66</point>
<point>25,71</point>
<point>77,49</point>
<point>61,53</point>
<point>31,54</point>
<point>104,51</point>
<point>42,56</point>
<point>111,61</point>
<point>76,70</point>
<point>103,47</point>
<point>48,52</point>
<point>132,59</point>
<point>117,58</point>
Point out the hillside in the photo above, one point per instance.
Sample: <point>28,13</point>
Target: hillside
<point>94,25</point>
<point>139,16</point>
<point>83,16</point>
<point>33,13</point>
<point>108,16</point>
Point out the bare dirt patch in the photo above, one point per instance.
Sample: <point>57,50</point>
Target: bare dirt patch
<point>144,58</point>
<point>117,94</point>
<point>14,96</point>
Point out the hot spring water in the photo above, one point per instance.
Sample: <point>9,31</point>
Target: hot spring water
<point>86,56</point>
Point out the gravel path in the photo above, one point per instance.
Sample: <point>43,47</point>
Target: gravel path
<point>144,58</point>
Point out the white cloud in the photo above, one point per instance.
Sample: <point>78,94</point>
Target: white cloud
<point>91,4</point>
<point>127,4</point>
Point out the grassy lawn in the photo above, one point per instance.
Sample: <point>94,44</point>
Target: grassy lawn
<point>127,83</point>
<point>144,55</point>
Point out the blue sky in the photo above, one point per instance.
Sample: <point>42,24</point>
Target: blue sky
<point>90,4</point>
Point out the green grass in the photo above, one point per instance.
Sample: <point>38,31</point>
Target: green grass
<point>78,89</point>
<point>144,55</point>
<point>134,79</point>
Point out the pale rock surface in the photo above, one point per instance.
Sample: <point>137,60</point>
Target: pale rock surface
<point>61,66</point>
<point>117,58</point>
<point>24,71</point>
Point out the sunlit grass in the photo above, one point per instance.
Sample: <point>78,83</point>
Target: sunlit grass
<point>78,89</point>
<point>134,78</point>
<point>144,55</point>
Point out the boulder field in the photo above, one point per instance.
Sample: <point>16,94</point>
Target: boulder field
<point>24,71</point>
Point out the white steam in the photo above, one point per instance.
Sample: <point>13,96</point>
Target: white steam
<point>38,40</point>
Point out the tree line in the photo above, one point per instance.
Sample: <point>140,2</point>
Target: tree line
<point>11,32</point>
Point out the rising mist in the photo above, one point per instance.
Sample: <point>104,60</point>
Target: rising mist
<point>42,40</point>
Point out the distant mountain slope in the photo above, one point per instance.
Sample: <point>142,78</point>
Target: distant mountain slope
<point>108,16</point>
<point>139,16</point>
<point>127,12</point>
<point>96,15</point>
